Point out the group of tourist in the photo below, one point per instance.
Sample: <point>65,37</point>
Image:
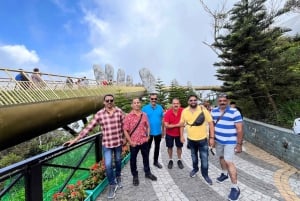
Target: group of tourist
<point>24,80</point>
<point>220,128</point>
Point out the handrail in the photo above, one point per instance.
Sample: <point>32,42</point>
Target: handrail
<point>52,87</point>
<point>31,169</point>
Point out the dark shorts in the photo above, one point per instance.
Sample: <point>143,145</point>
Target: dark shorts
<point>170,141</point>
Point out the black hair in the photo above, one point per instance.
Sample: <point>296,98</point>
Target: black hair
<point>107,95</point>
<point>192,95</point>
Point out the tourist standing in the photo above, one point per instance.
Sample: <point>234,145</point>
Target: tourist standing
<point>155,115</point>
<point>136,130</point>
<point>110,118</point>
<point>197,135</point>
<point>36,78</point>
<point>229,141</point>
<point>172,125</point>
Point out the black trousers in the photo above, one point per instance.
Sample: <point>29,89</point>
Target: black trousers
<point>157,139</point>
<point>133,155</point>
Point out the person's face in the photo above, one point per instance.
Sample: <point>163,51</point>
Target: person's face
<point>109,101</point>
<point>192,102</point>
<point>175,104</point>
<point>222,102</point>
<point>136,104</point>
<point>153,99</point>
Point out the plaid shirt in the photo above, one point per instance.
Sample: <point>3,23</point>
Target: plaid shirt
<point>140,135</point>
<point>111,126</point>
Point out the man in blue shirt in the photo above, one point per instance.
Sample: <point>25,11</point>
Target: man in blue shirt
<point>155,115</point>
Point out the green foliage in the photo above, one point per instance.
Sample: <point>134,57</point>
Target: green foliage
<point>9,159</point>
<point>122,102</point>
<point>256,60</point>
<point>161,93</point>
<point>181,93</point>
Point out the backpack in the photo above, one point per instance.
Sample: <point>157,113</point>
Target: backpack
<point>296,126</point>
<point>19,77</point>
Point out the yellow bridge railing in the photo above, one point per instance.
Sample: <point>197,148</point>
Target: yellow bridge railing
<point>51,87</point>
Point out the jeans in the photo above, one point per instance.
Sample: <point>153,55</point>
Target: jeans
<point>107,153</point>
<point>157,139</point>
<point>133,155</point>
<point>202,147</point>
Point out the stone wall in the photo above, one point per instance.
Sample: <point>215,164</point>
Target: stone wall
<point>277,141</point>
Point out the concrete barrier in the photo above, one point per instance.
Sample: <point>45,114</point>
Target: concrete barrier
<point>280,142</point>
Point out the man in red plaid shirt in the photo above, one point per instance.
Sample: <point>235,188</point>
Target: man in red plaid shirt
<point>110,118</point>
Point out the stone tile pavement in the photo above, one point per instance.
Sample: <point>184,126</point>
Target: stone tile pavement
<point>260,177</point>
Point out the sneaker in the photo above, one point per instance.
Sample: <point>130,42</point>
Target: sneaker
<point>180,165</point>
<point>170,164</point>
<point>135,181</point>
<point>234,194</point>
<point>157,164</point>
<point>222,178</point>
<point>112,191</point>
<point>193,173</point>
<point>119,182</point>
<point>151,176</point>
<point>208,180</point>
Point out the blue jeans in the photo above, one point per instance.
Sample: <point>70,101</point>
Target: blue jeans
<point>107,153</point>
<point>202,147</point>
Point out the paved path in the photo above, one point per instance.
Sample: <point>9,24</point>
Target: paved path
<point>260,177</point>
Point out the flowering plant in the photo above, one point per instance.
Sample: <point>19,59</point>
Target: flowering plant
<point>125,150</point>
<point>97,174</point>
<point>74,192</point>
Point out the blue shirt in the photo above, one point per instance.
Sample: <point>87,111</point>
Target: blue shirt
<point>155,115</point>
<point>225,130</point>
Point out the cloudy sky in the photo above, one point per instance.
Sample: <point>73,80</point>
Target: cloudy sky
<point>67,37</point>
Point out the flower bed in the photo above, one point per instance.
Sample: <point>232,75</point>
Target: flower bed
<point>100,188</point>
<point>96,181</point>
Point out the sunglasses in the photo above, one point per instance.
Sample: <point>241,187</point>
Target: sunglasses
<point>109,100</point>
<point>153,99</point>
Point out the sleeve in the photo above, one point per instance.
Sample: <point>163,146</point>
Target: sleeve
<point>90,126</point>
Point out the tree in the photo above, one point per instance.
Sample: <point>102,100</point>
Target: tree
<point>247,50</point>
<point>161,92</point>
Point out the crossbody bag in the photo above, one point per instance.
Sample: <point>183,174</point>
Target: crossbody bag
<point>136,125</point>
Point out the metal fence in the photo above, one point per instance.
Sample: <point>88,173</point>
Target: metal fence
<point>51,87</point>
<point>39,177</point>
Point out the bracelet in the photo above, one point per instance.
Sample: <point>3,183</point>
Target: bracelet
<point>212,137</point>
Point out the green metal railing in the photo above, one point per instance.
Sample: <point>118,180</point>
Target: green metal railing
<point>52,87</point>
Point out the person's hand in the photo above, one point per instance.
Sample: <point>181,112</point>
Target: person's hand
<point>70,142</point>
<point>238,148</point>
<point>182,140</point>
<point>133,144</point>
<point>124,141</point>
<point>211,142</point>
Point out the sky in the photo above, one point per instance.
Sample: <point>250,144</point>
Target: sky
<point>67,37</point>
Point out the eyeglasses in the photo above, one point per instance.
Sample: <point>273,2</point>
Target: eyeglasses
<point>109,100</point>
<point>153,99</point>
<point>193,100</point>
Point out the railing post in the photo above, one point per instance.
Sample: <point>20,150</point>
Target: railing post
<point>33,183</point>
<point>98,147</point>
